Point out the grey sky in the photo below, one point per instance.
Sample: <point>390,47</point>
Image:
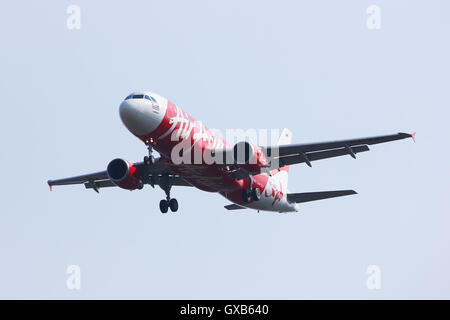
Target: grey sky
<point>310,66</point>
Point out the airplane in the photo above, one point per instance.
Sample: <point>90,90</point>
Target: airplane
<point>249,176</point>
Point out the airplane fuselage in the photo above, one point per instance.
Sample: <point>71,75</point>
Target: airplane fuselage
<point>172,131</point>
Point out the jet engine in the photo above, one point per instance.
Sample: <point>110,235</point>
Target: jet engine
<point>249,156</point>
<point>124,174</point>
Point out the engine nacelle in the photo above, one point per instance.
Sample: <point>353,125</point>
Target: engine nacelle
<point>249,156</point>
<point>124,174</point>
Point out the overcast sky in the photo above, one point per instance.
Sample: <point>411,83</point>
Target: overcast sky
<point>311,66</point>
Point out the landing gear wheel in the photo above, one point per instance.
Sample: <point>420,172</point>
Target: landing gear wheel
<point>163,206</point>
<point>256,194</point>
<point>149,160</point>
<point>173,204</point>
<point>245,196</point>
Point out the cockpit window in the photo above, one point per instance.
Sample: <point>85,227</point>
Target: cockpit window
<point>140,96</point>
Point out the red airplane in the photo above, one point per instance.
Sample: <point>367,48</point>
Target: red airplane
<point>192,156</point>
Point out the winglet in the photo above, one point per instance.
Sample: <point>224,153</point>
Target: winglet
<point>50,185</point>
<point>413,136</point>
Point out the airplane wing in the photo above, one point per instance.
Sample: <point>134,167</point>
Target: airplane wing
<point>151,175</point>
<point>307,152</point>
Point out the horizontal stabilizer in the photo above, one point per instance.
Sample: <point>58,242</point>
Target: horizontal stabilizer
<point>234,207</point>
<point>312,196</point>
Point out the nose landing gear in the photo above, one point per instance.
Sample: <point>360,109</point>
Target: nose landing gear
<point>150,159</point>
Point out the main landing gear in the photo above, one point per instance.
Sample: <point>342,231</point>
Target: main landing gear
<point>251,193</point>
<point>164,205</point>
<point>164,182</point>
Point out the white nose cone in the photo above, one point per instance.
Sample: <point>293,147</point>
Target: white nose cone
<point>142,116</point>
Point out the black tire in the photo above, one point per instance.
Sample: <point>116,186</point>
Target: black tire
<point>245,196</point>
<point>173,204</point>
<point>148,161</point>
<point>163,206</point>
<point>256,194</point>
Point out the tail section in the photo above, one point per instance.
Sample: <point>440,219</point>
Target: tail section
<point>285,137</point>
<point>283,174</point>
